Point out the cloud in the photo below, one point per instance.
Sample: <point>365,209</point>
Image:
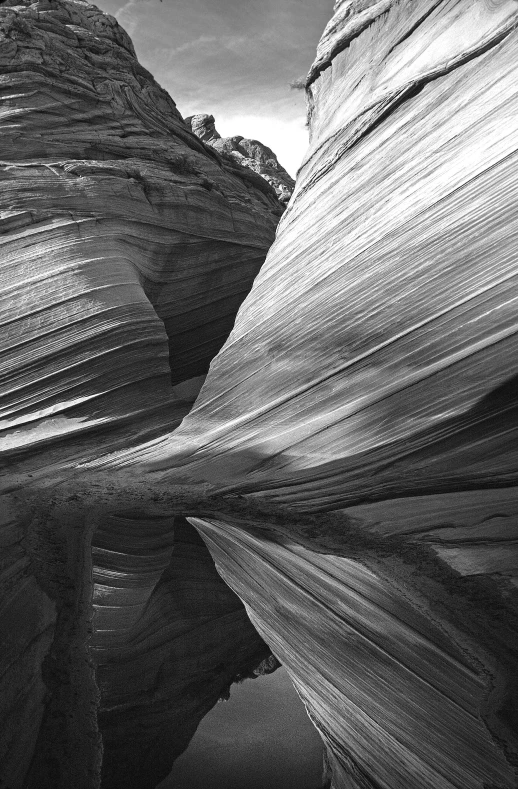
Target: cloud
<point>234,59</point>
<point>127,16</point>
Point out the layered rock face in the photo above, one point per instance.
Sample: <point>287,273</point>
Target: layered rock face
<point>249,153</point>
<point>370,376</point>
<point>127,246</point>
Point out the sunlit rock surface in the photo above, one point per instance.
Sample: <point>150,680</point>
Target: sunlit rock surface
<point>374,354</point>
<point>371,373</point>
<point>249,153</point>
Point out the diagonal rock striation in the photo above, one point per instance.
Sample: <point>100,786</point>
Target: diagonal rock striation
<point>370,376</point>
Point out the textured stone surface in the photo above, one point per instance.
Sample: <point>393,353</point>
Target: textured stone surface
<point>127,245</point>
<point>249,153</point>
<point>360,420</point>
<point>371,372</point>
<point>126,248</point>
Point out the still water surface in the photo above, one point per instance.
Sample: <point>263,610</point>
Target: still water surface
<point>261,738</point>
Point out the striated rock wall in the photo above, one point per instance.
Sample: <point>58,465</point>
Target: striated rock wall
<point>359,422</point>
<point>126,247</point>
<point>249,153</point>
<point>373,355</point>
<point>370,376</point>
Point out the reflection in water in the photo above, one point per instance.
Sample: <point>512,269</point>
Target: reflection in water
<point>377,663</point>
<point>261,738</point>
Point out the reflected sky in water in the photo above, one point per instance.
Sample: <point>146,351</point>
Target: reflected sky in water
<point>261,738</point>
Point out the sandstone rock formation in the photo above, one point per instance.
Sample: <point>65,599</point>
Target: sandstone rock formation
<point>370,375</point>
<point>249,153</point>
<point>358,427</point>
<point>126,248</point>
<point>127,245</point>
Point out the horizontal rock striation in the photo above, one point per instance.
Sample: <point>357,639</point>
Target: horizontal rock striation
<point>127,245</point>
<point>249,153</point>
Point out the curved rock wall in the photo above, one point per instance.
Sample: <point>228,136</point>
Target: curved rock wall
<point>127,245</point>
<point>373,357</point>
<point>370,375</point>
<point>126,248</point>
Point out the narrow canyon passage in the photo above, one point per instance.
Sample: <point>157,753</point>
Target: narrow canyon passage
<point>350,462</point>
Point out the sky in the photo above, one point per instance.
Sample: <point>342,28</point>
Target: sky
<point>261,738</point>
<point>233,59</point>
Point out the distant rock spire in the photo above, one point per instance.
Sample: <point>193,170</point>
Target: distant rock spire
<point>249,153</point>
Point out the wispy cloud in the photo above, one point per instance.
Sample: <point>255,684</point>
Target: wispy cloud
<point>127,16</point>
<point>232,58</point>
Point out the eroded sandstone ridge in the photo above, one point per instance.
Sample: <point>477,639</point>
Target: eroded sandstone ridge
<point>249,153</point>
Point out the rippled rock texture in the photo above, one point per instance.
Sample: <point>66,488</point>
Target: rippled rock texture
<point>126,248</point>
<point>249,153</point>
<point>370,375</point>
<point>127,245</point>
<point>359,425</point>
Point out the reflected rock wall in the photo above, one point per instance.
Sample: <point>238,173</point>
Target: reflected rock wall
<point>160,674</point>
<point>407,670</point>
<point>370,375</point>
